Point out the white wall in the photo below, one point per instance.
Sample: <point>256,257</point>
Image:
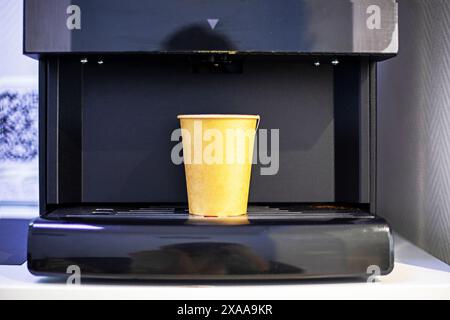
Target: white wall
<point>18,74</point>
<point>414,128</point>
<point>12,63</point>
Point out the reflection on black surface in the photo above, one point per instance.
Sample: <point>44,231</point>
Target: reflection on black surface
<point>196,37</point>
<point>205,259</point>
<point>106,265</point>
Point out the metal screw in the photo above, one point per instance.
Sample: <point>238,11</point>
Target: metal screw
<point>335,62</point>
<point>84,60</point>
<point>317,63</point>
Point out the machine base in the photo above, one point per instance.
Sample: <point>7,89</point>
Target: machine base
<point>167,244</point>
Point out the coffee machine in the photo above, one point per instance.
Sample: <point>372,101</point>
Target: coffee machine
<point>114,75</point>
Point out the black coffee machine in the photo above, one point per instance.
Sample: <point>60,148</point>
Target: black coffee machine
<point>114,75</point>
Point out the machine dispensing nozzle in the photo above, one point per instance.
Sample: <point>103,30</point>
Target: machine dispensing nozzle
<point>216,63</point>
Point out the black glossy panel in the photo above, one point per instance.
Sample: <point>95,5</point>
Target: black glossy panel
<point>295,26</point>
<point>214,250</point>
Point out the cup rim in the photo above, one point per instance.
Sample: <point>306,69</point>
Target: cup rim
<point>218,116</point>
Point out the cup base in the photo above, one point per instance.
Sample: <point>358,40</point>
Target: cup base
<point>213,215</point>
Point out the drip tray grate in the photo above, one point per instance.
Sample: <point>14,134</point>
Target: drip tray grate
<point>180,213</point>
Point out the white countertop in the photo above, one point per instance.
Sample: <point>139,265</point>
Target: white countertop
<point>416,275</point>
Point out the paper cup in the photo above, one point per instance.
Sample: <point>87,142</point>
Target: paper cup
<point>218,152</point>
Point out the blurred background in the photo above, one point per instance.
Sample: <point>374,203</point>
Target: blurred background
<point>18,112</point>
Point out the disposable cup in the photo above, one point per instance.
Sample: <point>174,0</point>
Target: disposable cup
<point>218,153</point>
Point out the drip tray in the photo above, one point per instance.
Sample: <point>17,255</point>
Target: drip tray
<point>300,212</point>
<point>272,242</point>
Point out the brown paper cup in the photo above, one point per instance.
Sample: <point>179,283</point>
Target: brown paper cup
<point>218,152</point>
